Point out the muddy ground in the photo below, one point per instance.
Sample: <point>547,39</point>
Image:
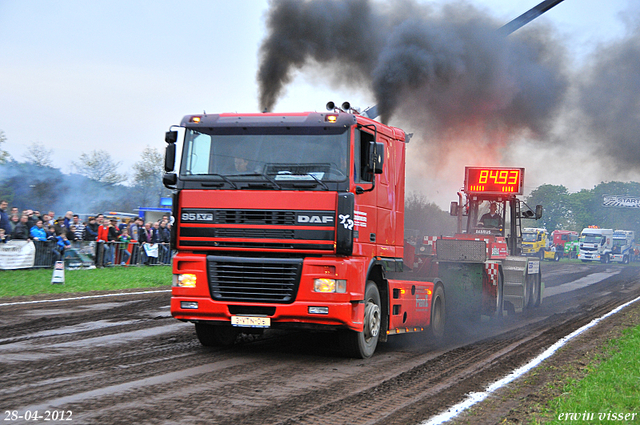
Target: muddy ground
<point>123,359</point>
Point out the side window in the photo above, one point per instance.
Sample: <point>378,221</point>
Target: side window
<point>360,152</point>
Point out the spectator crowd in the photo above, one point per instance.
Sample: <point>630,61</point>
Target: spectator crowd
<point>114,241</point>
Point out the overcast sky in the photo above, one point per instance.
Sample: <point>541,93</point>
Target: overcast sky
<point>78,76</point>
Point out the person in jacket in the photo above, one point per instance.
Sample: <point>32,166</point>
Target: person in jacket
<point>4,217</point>
<point>124,240</point>
<point>62,243</point>
<point>105,236</point>
<point>164,237</point>
<point>144,237</point>
<point>91,230</point>
<point>13,221</point>
<point>37,232</point>
<point>21,231</point>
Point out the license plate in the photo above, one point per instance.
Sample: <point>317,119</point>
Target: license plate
<point>250,321</point>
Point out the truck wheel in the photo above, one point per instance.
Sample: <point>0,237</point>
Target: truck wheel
<point>557,257</point>
<point>533,290</point>
<point>536,291</point>
<point>499,297</point>
<point>363,344</point>
<point>528,291</point>
<point>438,314</point>
<point>541,254</point>
<point>625,259</point>
<point>216,335</point>
<point>605,259</point>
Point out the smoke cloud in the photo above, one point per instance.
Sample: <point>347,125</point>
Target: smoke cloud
<point>469,94</point>
<point>607,101</point>
<point>450,65</point>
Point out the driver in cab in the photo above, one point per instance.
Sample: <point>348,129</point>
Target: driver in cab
<point>491,219</point>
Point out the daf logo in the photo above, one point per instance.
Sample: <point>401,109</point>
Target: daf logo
<point>315,219</point>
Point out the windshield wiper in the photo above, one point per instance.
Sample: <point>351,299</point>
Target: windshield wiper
<point>235,186</point>
<point>318,180</point>
<point>260,175</point>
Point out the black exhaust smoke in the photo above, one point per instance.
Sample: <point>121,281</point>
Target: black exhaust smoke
<point>454,77</point>
<point>450,63</point>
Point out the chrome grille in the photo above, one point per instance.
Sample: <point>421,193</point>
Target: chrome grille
<point>271,280</point>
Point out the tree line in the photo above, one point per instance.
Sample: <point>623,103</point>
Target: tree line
<point>575,211</point>
<point>95,185</point>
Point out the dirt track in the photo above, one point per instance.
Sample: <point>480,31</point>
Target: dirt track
<point>125,360</point>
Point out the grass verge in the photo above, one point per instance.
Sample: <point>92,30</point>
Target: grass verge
<point>610,391</point>
<point>38,281</point>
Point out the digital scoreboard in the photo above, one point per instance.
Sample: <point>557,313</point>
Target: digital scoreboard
<point>494,180</point>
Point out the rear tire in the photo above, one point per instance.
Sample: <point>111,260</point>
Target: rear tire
<point>537,293</point>
<point>363,344</point>
<point>499,313</point>
<point>438,314</point>
<point>216,335</point>
<point>534,290</point>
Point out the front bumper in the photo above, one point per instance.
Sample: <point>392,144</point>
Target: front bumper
<point>309,309</point>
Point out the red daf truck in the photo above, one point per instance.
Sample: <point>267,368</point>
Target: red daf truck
<point>296,221</point>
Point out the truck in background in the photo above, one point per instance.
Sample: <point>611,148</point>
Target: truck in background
<point>596,244</point>
<point>623,246</point>
<point>484,259</point>
<point>565,242</point>
<point>534,241</point>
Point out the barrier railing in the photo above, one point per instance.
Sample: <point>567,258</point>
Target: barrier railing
<point>84,254</point>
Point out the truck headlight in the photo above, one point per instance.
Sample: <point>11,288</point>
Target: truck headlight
<point>330,285</point>
<point>186,280</point>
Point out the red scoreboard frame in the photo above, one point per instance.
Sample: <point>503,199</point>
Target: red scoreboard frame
<point>494,180</point>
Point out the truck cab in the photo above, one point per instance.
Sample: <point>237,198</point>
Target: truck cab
<point>623,245</point>
<point>566,242</point>
<point>294,221</point>
<point>534,241</point>
<point>596,244</point>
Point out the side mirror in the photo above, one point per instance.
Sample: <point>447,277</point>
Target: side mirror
<point>169,180</point>
<point>376,157</point>
<point>171,136</point>
<point>453,208</point>
<point>538,212</point>
<point>170,157</point>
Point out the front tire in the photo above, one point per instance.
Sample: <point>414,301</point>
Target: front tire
<point>363,344</point>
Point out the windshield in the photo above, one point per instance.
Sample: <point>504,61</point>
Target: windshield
<point>280,153</point>
<point>529,237</point>
<point>591,238</point>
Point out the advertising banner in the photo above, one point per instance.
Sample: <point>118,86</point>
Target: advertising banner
<point>17,254</point>
<point>620,201</point>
